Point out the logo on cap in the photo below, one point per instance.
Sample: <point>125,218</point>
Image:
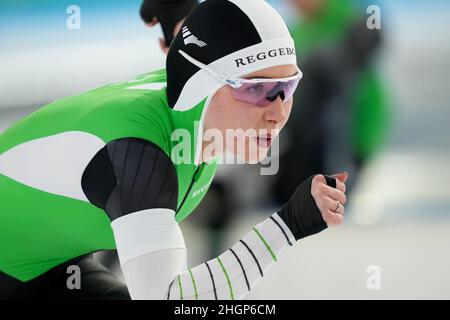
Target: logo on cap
<point>188,37</point>
<point>264,55</point>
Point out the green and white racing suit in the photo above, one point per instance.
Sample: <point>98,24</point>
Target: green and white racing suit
<point>102,170</point>
<point>46,217</point>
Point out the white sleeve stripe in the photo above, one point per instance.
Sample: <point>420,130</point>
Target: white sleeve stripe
<point>236,271</point>
<point>284,227</point>
<point>282,230</point>
<point>170,287</point>
<point>146,231</point>
<point>242,268</point>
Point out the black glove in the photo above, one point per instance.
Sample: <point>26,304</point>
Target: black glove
<point>168,13</point>
<point>301,213</point>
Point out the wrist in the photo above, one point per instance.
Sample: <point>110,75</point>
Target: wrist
<point>300,213</point>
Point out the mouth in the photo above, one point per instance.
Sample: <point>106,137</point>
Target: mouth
<point>264,141</point>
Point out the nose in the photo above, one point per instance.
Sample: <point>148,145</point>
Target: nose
<point>275,111</point>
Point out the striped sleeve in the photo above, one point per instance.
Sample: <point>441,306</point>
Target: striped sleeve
<point>235,272</point>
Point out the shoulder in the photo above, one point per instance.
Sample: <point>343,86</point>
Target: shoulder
<point>130,175</point>
<point>134,108</point>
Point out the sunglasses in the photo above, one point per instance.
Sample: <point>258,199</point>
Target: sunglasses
<point>258,91</point>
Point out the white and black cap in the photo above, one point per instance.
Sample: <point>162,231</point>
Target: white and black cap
<point>232,37</point>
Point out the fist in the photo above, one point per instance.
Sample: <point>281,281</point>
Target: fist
<point>318,202</point>
<point>329,200</point>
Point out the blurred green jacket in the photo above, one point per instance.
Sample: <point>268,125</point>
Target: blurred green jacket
<point>369,106</point>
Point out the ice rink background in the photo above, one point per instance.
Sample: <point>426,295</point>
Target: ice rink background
<point>399,216</point>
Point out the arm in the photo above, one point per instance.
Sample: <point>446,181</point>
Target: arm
<point>236,271</point>
<point>139,198</point>
<point>135,183</point>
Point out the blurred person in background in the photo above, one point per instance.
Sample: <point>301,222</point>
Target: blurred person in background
<point>96,171</point>
<point>169,14</point>
<point>341,115</point>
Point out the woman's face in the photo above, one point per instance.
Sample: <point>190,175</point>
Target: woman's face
<point>248,129</point>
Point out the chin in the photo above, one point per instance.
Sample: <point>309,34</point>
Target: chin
<point>251,152</point>
<point>256,157</point>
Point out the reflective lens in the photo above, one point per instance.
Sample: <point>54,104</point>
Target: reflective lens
<point>263,93</point>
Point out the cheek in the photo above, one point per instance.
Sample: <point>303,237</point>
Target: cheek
<point>240,115</point>
<point>247,116</point>
<point>288,109</point>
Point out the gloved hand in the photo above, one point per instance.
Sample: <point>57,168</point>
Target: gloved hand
<point>167,12</point>
<point>313,206</point>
